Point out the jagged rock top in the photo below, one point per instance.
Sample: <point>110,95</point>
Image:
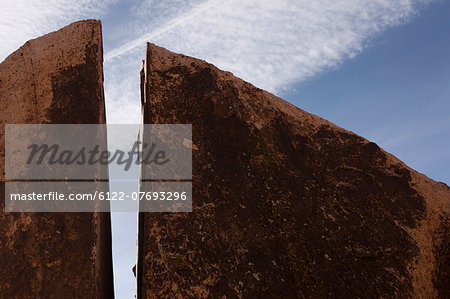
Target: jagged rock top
<point>286,204</point>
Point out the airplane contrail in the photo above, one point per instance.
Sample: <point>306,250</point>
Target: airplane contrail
<point>201,8</point>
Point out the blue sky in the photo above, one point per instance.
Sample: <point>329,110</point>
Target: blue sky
<point>378,68</point>
<point>396,92</point>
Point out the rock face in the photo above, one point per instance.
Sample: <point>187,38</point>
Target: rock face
<point>55,79</point>
<point>285,204</point>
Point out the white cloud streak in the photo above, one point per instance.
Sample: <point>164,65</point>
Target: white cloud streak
<point>172,25</point>
<point>273,43</point>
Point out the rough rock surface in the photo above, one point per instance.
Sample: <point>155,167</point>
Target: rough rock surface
<point>285,204</point>
<point>57,79</point>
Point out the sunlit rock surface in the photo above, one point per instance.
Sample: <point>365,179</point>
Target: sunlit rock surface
<point>285,203</point>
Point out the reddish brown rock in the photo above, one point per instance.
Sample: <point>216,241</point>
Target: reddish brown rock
<point>57,79</point>
<point>285,204</point>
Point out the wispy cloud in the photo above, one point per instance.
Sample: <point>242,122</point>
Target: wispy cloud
<point>273,43</point>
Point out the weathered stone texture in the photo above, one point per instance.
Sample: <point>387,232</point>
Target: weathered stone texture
<point>57,79</point>
<point>285,204</point>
